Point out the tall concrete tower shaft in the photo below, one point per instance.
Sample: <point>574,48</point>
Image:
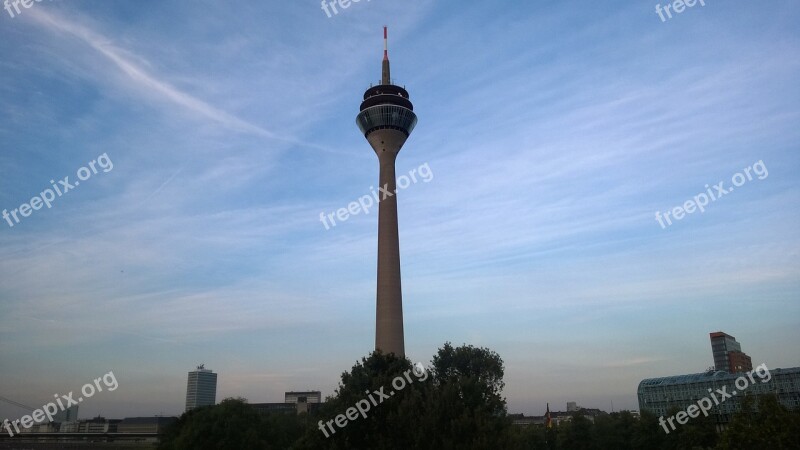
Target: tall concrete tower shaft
<point>386,119</point>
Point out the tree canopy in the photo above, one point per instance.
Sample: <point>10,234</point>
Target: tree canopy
<point>386,403</point>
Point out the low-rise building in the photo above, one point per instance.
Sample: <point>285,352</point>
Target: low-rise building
<point>295,402</point>
<point>97,425</point>
<point>154,424</point>
<point>303,397</point>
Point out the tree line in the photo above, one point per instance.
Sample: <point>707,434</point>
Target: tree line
<point>457,403</point>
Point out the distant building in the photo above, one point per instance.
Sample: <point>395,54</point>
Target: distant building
<point>565,416</point>
<point>523,420</point>
<point>633,413</point>
<point>44,427</point>
<point>303,397</point>
<point>201,388</point>
<point>144,424</point>
<point>294,403</point>
<point>275,408</point>
<point>659,395</point>
<point>572,406</point>
<point>728,355</point>
<point>557,417</point>
<point>67,415</point>
<point>96,425</point>
<point>68,427</point>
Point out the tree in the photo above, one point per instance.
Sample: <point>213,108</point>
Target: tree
<point>283,430</point>
<point>648,434</point>
<point>697,433</point>
<point>479,367</point>
<point>457,404</point>
<point>576,434</point>
<point>466,409</point>
<point>382,403</point>
<point>390,393</point>
<point>231,424</point>
<point>614,431</point>
<point>762,422</point>
<point>528,437</point>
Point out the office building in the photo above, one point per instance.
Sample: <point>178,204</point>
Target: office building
<point>201,388</point>
<point>660,395</point>
<point>66,415</point>
<point>728,355</point>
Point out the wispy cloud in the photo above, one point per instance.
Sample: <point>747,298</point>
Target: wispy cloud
<point>150,82</point>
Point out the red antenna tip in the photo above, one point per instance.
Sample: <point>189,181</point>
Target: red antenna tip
<point>385,43</point>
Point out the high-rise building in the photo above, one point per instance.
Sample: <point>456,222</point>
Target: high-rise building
<point>67,415</point>
<point>739,362</point>
<point>201,388</point>
<point>387,119</point>
<point>728,355</point>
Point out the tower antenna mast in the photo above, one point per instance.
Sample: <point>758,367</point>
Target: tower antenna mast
<point>385,73</point>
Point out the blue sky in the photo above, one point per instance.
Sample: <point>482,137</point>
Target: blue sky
<point>554,132</point>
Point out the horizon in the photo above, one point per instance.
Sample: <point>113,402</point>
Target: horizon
<point>215,136</point>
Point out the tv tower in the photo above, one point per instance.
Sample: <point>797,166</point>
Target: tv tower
<point>386,119</point>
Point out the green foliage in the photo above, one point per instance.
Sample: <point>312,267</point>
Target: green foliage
<point>762,423</point>
<point>530,438</point>
<point>697,434</point>
<point>614,431</point>
<point>465,409</point>
<point>388,424</point>
<point>576,434</point>
<point>232,424</point>
<point>647,433</point>
<point>476,371</point>
<point>457,403</point>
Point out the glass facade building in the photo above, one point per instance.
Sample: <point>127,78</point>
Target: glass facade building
<point>660,395</point>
